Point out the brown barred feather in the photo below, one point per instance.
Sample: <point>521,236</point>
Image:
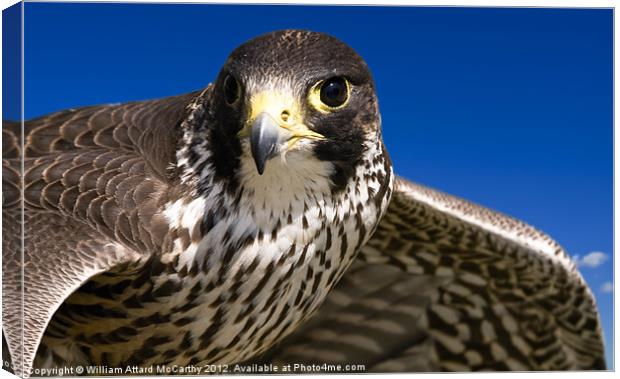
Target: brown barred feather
<point>93,178</point>
<point>446,285</point>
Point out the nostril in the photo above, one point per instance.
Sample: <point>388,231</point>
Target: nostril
<point>285,115</point>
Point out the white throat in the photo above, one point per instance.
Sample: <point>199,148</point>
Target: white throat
<point>284,234</point>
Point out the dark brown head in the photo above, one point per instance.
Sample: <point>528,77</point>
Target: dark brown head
<point>293,94</point>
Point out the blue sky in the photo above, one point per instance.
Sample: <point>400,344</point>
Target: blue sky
<point>510,108</point>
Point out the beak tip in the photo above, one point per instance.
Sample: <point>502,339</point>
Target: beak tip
<point>260,168</point>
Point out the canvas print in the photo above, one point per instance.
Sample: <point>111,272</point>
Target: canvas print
<point>217,189</point>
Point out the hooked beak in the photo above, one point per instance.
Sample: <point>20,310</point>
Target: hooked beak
<point>275,124</point>
<point>264,140</point>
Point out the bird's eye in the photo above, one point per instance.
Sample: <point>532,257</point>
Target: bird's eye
<point>232,89</point>
<point>334,92</point>
<point>329,95</point>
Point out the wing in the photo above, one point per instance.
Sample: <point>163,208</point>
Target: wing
<point>446,285</point>
<point>92,181</point>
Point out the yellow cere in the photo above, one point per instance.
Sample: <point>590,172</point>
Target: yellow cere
<point>285,110</point>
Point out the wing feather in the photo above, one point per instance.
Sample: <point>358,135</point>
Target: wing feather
<point>446,285</point>
<point>91,181</point>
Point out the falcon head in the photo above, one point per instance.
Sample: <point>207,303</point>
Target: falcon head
<point>288,102</point>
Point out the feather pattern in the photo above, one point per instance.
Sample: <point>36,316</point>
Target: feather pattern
<point>138,246</point>
<point>91,176</point>
<point>447,285</point>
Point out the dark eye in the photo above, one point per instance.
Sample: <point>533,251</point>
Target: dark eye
<point>232,89</point>
<point>334,92</point>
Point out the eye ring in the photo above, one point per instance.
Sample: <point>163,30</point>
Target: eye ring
<point>232,89</point>
<point>330,94</point>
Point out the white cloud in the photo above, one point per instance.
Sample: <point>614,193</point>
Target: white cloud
<point>607,287</point>
<point>592,260</point>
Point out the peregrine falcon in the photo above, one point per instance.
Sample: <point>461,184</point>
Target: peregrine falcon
<point>259,220</point>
